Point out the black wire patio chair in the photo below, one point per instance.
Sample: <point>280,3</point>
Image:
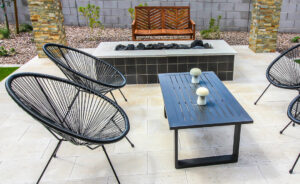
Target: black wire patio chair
<point>284,71</point>
<point>86,69</point>
<point>69,111</point>
<point>294,114</point>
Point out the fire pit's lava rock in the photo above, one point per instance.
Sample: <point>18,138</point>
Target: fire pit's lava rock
<point>197,43</point>
<point>130,47</point>
<point>141,46</point>
<point>182,46</point>
<point>207,46</point>
<point>120,47</point>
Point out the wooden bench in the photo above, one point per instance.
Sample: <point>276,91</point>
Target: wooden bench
<point>163,21</point>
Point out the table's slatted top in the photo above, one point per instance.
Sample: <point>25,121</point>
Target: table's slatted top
<point>181,102</point>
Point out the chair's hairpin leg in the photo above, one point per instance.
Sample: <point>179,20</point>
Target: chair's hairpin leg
<point>53,155</point>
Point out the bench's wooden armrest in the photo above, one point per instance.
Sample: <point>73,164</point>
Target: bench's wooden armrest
<point>133,23</point>
<point>192,22</point>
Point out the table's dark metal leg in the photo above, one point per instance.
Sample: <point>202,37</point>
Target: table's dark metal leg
<point>236,142</point>
<point>176,149</point>
<point>214,160</point>
<point>165,113</point>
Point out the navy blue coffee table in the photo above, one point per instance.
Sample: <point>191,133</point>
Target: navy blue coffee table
<point>182,112</point>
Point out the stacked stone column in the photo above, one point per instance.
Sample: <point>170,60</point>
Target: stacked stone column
<point>264,25</point>
<point>48,23</point>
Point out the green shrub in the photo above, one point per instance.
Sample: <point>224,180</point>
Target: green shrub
<point>4,52</point>
<point>4,33</point>
<point>91,14</point>
<point>295,39</point>
<point>131,10</point>
<point>25,28</point>
<point>213,32</point>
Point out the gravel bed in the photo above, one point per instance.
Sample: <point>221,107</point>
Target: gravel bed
<point>82,37</point>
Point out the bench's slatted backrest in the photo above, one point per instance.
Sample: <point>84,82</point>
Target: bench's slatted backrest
<point>156,17</point>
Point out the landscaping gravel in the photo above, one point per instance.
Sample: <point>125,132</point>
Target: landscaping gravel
<point>82,37</point>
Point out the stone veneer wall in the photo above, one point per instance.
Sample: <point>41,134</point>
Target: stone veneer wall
<point>47,21</point>
<point>264,25</point>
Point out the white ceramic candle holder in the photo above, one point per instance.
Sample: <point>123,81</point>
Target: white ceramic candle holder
<point>202,92</point>
<point>195,72</point>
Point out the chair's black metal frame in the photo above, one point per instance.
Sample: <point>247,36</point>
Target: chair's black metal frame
<point>279,72</point>
<point>294,115</point>
<point>18,86</point>
<point>100,75</point>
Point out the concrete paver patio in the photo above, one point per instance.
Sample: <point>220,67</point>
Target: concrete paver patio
<point>265,155</point>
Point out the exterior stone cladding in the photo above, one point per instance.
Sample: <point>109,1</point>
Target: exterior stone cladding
<point>265,25</point>
<point>47,21</point>
<point>144,70</point>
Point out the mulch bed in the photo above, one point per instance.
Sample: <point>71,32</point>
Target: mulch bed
<point>82,37</point>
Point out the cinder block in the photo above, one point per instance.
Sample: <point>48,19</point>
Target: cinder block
<point>226,6</point>
<point>240,22</point>
<point>119,12</point>
<point>293,16</point>
<point>99,3</point>
<point>74,11</point>
<point>82,3</point>
<point>286,23</point>
<point>167,3</point>
<point>72,4</point>
<point>241,7</point>
<point>283,15</point>
<point>111,20</point>
<point>153,3</point>
<point>182,3</point>
<point>110,4</point>
<point>288,7</point>
<point>204,14</point>
<point>66,11</point>
<point>297,25</point>
<point>125,20</point>
<point>65,3</point>
<point>71,21</point>
<point>196,6</point>
<point>215,14</point>
<point>124,4</point>
<point>105,12</point>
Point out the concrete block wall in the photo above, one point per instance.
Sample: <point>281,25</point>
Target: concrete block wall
<point>236,14</point>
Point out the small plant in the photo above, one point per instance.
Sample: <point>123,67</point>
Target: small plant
<point>26,28</point>
<point>91,14</point>
<point>295,39</point>
<point>4,52</point>
<point>213,32</point>
<point>4,33</point>
<point>131,10</point>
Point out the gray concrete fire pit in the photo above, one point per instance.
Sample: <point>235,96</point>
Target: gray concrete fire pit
<point>142,66</point>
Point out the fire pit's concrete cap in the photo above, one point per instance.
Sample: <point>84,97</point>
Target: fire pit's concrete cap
<point>195,72</point>
<point>202,91</point>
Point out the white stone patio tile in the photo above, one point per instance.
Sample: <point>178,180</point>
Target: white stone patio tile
<point>59,169</point>
<point>68,149</point>
<point>165,178</point>
<point>130,163</point>
<point>277,173</point>
<point>158,126</point>
<point>144,142</point>
<point>162,162</point>
<point>21,171</point>
<point>24,149</point>
<point>99,180</point>
<point>91,166</point>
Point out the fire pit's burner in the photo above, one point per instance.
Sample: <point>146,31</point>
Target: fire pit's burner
<point>196,44</point>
